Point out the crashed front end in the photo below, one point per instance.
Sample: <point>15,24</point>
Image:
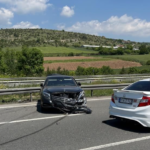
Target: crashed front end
<point>64,100</point>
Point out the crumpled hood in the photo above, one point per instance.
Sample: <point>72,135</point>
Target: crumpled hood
<point>64,89</point>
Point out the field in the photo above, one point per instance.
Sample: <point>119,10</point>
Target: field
<point>74,59</point>
<point>58,50</point>
<point>52,49</point>
<point>68,58</point>
<point>114,64</point>
<point>137,58</point>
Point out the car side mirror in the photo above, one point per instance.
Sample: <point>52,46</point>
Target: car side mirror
<point>79,84</point>
<point>41,85</point>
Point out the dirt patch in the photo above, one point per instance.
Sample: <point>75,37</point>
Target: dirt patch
<point>114,64</point>
<point>68,58</point>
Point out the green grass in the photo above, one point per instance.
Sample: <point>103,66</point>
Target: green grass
<point>7,99</point>
<point>78,60</point>
<point>52,49</point>
<point>57,51</point>
<point>137,58</point>
<point>108,82</point>
<point>4,99</point>
<point>106,92</point>
<point>13,48</point>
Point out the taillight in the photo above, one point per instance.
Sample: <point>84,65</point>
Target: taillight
<point>144,102</point>
<point>112,98</point>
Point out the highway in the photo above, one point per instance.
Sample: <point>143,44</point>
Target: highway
<point>24,127</point>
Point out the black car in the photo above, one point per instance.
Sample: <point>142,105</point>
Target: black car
<point>64,93</point>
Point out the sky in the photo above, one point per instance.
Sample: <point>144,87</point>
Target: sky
<point>117,19</point>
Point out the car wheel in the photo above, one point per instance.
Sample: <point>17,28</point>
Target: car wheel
<point>42,108</point>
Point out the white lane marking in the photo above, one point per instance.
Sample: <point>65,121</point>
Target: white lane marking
<point>35,119</point>
<point>98,99</point>
<point>29,105</point>
<point>14,106</point>
<point>117,143</point>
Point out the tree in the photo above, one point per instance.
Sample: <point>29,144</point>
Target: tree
<point>130,47</point>
<point>2,65</point>
<point>106,70</point>
<point>10,61</point>
<point>143,49</point>
<point>71,54</point>
<point>80,71</point>
<point>148,62</point>
<point>132,70</point>
<point>30,61</point>
<point>120,51</point>
<point>123,71</point>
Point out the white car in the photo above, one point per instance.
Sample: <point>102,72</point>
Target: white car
<point>132,102</point>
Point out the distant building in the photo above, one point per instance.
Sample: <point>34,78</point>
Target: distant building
<point>90,46</point>
<point>107,46</point>
<point>95,46</point>
<point>135,49</point>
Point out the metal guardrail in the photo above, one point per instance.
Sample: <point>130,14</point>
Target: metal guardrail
<point>37,89</point>
<point>88,80</point>
<point>76,77</point>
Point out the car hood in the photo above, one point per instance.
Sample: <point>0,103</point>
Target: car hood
<point>64,89</point>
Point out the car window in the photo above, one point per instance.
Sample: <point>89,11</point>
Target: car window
<point>139,86</point>
<point>60,81</point>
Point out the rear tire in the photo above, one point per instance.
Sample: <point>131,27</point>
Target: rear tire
<point>42,108</point>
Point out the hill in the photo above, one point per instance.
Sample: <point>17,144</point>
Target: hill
<point>45,37</point>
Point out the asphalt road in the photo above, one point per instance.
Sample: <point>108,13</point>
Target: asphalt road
<point>24,127</point>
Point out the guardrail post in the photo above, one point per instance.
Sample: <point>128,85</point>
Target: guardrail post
<point>31,97</point>
<point>91,93</point>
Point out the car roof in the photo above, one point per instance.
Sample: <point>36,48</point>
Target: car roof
<point>148,79</point>
<point>58,75</point>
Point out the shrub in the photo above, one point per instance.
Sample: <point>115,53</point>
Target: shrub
<point>144,71</point>
<point>128,51</point>
<point>80,71</point>
<point>106,70</point>
<point>71,54</point>
<point>148,62</point>
<point>120,51</point>
<point>132,70</point>
<point>123,71</point>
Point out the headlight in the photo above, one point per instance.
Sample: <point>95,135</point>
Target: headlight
<point>46,95</point>
<point>81,94</point>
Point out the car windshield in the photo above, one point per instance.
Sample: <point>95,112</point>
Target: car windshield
<point>139,86</point>
<point>60,81</point>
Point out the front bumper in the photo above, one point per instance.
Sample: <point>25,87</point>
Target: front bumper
<point>139,114</point>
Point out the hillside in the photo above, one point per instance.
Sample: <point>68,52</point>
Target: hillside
<point>45,37</point>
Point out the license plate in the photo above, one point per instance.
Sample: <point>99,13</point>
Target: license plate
<point>125,100</point>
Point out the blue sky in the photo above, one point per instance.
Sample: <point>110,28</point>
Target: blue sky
<point>128,20</point>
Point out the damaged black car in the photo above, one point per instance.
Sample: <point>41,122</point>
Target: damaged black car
<point>64,93</point>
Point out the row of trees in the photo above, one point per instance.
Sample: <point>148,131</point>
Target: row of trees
<point>105,70</point>
<point>28,62</point>
<point>120,51</point>
<point>82,71</point>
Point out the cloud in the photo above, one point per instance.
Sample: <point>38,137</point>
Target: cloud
<point>124,25</point>
<point>25,25</point>
<point>5,16</point>
<point>27,6</point>
<point>61,26</point>
<point>67,11</point>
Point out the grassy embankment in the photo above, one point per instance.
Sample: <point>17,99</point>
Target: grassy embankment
<point>58,51</point>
